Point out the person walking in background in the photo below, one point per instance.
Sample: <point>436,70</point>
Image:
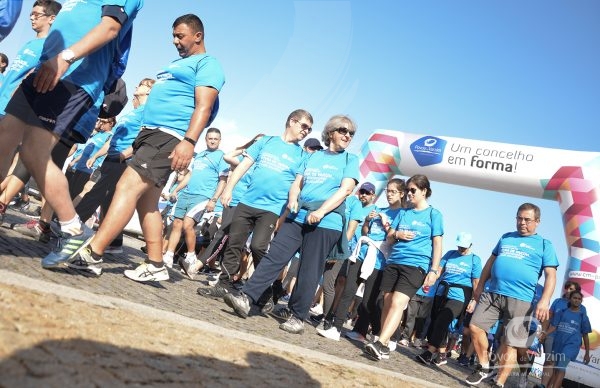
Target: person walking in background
<point>315,225</point>
<point>416,235</point>
<point>513,270</point>
<point>461,270</point>
<point>165,143</point>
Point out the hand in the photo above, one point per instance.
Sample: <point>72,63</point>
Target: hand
<point>182,156</point>
<point>430,279</point>
<point>90,162</point>
<point>372,215</point>
<point>226,197</point>
<point>542,310</point>
<point>471,306</point>
<point>49,74</point>
<point>210,207</point>
<point>404,234</point>
<point>315,217</point>
<point>586,358</point>
<point>293,207</point>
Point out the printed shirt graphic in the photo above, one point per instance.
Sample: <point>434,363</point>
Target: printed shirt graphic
<point>26,59</point>
<point>276,164</point>
<point>322,176</point>
<point>519,263</point>
<point>175,86</point>
<point>206,168</point>
<point>426,224</point>
<point>126,130</point>
<point>570,326</point>
<point>75,19</point>
<point>459,269</point>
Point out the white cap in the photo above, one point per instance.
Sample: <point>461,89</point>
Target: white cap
<point>464,240</point>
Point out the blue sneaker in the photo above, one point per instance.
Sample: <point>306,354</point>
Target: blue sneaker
<point>67,247</point>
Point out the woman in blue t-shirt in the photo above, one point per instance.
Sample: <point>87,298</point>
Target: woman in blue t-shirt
<point>414,261</point>
<point>570,326</point>
<point>316,205</point>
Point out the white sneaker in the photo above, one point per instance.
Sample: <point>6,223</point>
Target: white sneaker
<point>316,309</point>
<point>404,342</point>
<point>392,345</point>
<point>331,333</point>
<point>168,259</point>
<point>146,272</point>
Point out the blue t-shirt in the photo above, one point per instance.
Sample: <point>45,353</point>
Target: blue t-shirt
<point>93,145</point>
<point>426,224</point>
<point>459,269</point>
<point>276,164</point>
<point>175,86</point>
<point>358,212</point>
<point>242,186</point>
<point>75,19</point>
<point>9,14</point>
<point>377,233</point>
<point>125,131</point>
<point>570,326</point>
<point>26,59</point>
<point>561,304</point>
<point>322,176</point>
<point>206,169</point>
<point>519,263</point>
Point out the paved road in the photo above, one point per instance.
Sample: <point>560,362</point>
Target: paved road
<point>22,255</point>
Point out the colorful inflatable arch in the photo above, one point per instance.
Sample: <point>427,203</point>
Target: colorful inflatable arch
<point>570,177</point>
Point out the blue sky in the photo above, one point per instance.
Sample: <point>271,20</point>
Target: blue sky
<point>503,71</point>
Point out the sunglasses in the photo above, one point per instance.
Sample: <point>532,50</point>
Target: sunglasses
<point>412,190</point>
<point>305,127</point>
<point>364,192</point>
<point>344,131</point>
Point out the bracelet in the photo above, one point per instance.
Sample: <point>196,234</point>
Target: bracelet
<point>190,140</point>
<point>213,200</point>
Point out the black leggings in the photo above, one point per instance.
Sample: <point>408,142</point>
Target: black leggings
<point>443,312</point>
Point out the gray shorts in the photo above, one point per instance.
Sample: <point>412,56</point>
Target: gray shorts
<point>515,316</point>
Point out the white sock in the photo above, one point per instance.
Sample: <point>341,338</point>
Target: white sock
<point>485,366</point>
<point>190,256</point>
<point>168,255</point>
<point>73,227</point>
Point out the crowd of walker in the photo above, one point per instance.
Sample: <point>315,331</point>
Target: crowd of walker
<point>278,223</point>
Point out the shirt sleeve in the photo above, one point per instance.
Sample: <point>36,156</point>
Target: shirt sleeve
<point>210,73</point>
<point>477,267</point>
<point>351,169</point>
<point>437,226</point>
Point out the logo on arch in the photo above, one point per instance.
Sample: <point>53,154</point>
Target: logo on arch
<point>428,150</point>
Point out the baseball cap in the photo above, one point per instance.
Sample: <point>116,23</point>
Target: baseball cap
<point>313,143</point>
<point>464,240</point>
<point>368,186</point>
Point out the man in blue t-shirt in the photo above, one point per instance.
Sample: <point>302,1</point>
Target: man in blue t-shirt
<point>76,61</point>
<point>276,161</point>
<point>42,16</point>
<point>513,270</point>
<point>165,144</point>
<point>203,187</point>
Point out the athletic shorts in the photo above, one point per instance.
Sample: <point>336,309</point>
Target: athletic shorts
<point>515,315</point>
<point>58,111</point>
<point>561,361</point>
<point>402,278</point>
<point>152,148</point>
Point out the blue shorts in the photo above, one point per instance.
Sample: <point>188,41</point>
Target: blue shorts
<point>185,203</point>
<point>58,111</point>
<point>561,361</point>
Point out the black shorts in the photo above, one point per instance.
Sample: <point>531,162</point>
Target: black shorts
<point>402,278</point>
<point>57,111</point>
<point>151,155</point>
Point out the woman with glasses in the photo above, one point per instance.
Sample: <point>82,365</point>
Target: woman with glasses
<point>314,226</point>
<point>416,235</point>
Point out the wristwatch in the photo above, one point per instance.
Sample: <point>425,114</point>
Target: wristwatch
<point>68,56</point>
<point>213,200</point>
<point>435,271</point>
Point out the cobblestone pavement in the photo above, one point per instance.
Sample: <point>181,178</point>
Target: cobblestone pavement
<point>178,295</point>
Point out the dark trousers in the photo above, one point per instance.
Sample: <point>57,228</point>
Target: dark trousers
<point>218,242</point>
<point>102,193</point>
<point>369,310</point>
<point>443,312</point>
<point>418,312</point>
<point>77,180</point>
<point>351,271</point>
<point>314,243</point>
<point>246,220</point>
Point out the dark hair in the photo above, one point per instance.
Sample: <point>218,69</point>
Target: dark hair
<point>529,206</point>
<point>570,283</point>
<point>191,21</point>
<point>4,58</point>
<point>571,294</point>
<point>51,7</point>
<point>297,115</point>
<point>213,129</point>
<point>422,182</point>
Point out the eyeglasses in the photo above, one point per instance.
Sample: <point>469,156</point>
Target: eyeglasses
<point>393,192</point>
<point>344,131</point>
<point>364,192</point>
<point>104,121</point>
<point>525,220</point>
<point>304,126</point>
<point>37,15</point>
<point>412,190</point>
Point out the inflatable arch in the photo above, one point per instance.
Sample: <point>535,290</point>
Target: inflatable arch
<point>570,177</point>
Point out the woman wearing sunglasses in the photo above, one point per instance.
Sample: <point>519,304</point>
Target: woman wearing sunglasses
<point>314,226</point>
<point>416,234</point>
